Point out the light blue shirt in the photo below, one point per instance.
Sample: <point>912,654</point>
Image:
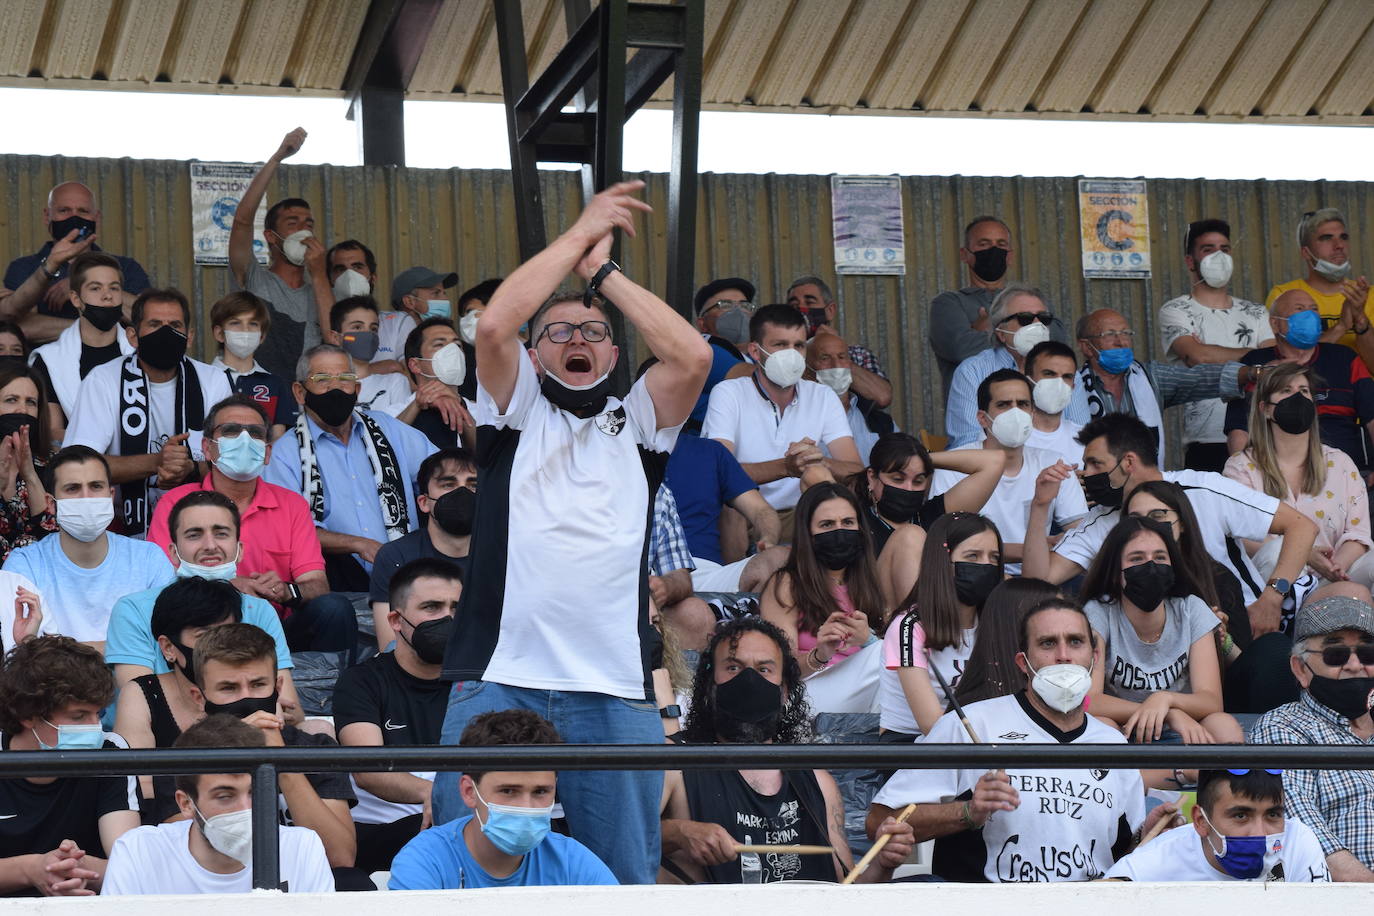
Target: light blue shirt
<point>131,642</point>
<point>438,859</point>
<point>351,505</point>
<point>77,601</point>
<point>961,413</point>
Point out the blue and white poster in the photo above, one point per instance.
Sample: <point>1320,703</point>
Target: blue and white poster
<point>869,237</point>
<point>216,188</point>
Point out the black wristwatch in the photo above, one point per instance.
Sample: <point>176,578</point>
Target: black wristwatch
<point>670,712</point>
<point>594,285</point>
<point>293,594</point>
<point>1280,585</point>
<point>43,266</point>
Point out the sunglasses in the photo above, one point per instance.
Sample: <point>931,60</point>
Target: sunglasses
<point>1243,772</point>
<point>1337,656</point>
<point>1025,318</point>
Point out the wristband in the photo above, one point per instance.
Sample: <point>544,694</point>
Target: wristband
<point>966,816</point>
<point>594,285</point>
<point>43,266</point>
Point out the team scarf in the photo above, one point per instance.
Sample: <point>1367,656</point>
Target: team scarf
<point>187,414</point>
<point>386,474</point>
<point>1091,400</point>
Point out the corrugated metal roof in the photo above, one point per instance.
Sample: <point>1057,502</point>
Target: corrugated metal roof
<point>1275,60</point>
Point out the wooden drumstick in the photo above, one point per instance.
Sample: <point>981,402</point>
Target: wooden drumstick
<point>877,848</point>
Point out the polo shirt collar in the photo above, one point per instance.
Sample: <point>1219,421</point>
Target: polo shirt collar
<point>264,497</point>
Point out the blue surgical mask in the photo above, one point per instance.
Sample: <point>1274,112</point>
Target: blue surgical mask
<point>1240,856</point>
<point>75,738</point>
<point>1304,329</point>
<point>439,308</point>
<point>242,457</point>
<point>515,830</point>
<point>1116,361</point>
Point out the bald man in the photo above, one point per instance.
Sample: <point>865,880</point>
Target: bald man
<point>827,359</point>
<point>36,293</point>
<point>1345,405</point>
<point>1114,380</point>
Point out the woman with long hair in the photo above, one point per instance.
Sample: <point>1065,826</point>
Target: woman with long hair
<point>962,564</point>
<point>1286,459</point>
<point>991,669</point>
<point>25,445</point>
<point>1156,666</point>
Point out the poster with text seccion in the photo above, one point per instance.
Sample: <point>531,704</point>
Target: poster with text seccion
<point>1114,223</point>
<point>216,188</point>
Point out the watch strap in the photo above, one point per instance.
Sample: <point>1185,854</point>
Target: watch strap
<point>594,285</point>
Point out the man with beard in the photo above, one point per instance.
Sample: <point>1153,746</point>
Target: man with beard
<point>748,690</point>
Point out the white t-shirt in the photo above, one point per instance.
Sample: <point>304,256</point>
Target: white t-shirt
<point>1068,821</point>
<point>904,647</point>
<point>1177,855</point>
<point>10,582</point>
<point>388,392</point>
<point>740,413</point>
<point>1009,505</point>
<point>158,860</point>
<point>1245,325</point>
<point>1061,443</point>
<point>392,331</point>
<point>1225,510</point>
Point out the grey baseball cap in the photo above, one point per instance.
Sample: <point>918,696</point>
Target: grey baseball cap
<point>413,277</point>
<point>1317,618</point>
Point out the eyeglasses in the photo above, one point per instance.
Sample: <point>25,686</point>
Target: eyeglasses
<point>1337,656</point>
<point>743,304</point>
<point>1124,334</point>
<point>1243,772</point>
<point>561,332</point>
<point>233,430</point>
<point>324,378</point>
<point>1025,318</point>
<point>1155,515</point>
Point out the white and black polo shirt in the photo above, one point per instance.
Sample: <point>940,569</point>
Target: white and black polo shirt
<point>557,592</point>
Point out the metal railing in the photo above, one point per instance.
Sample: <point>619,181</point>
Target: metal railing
<point>265,763</point>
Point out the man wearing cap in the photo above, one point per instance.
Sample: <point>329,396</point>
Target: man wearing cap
<point>723,309</point>
<point>1333,661</point>
<point>813,298</point>
<point>417,293</point>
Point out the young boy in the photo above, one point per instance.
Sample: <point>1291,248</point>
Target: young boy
<point>354,322</point>
<point>239,322</point>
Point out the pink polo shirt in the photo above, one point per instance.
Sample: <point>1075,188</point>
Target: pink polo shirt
<point>278,532</point>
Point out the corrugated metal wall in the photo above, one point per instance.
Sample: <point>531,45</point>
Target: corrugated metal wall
<point>768,227</point>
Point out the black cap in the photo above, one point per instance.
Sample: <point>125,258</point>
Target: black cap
<point>716,286</point>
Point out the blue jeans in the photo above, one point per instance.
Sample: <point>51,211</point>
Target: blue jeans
<point>325,623</point>
<point>613,813</point>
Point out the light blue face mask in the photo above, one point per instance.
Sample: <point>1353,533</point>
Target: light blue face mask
<point>74,738</point>
<point>515,830</point>
<point>439,308</point>
<point>242,457</point>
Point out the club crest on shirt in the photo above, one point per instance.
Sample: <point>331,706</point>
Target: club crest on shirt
<point>611,422</point>
<point>1099,775</point>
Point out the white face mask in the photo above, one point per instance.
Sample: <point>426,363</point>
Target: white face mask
<point>242,344</point>
<point>1052,395</point>
<point>1012,427</point>
<point>223,572</point>
<point>230,833</point>
<point>783,368</point>
<point>467,327</point>
<point>1025,339</point>
<point>837,380</point>
<point>1333,272</point>
<point>1062,687</point>
<point>351,283</point>
<point>449,364</point>
<point>85,517</point>
<point>293,246</point>
<point>1215,269</point>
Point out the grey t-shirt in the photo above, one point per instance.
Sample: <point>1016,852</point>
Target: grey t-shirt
<point>1134,668</point>
<point>295,326</point>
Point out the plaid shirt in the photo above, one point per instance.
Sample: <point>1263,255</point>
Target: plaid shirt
<point>1337,804</point>
<point>865,358</point>
<point>668,548</point>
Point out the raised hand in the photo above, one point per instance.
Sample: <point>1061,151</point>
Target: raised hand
<point>290,145</point>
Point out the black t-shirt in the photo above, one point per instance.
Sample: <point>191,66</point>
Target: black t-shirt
<point>90,358</point>
<point>397,553</point>
<point>430,422</point>
<point>37,818</point>
<point>879,530</point>
<point>408,709</point>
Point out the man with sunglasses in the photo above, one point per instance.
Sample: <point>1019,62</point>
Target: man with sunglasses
<point>1333,661</point>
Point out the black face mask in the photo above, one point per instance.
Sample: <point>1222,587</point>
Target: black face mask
<point>1295,414</point>
<point>1098,489</point>
<point>101,317</point>
<point>586,403</point>
<point>430,639</point>
<point>747,708</point>
<point>61,227</point>
<point>163,349</point>
<point>973,582</point>
<point>1347,696</point>
<point>243,707</point>
<point>14,422</point>
<point>838,548</point>
<point>13,362</point>
<point>1147,584</point>
<point>188,669</point>
<point>990,264</point>
<point>901,505</point>
<point>332,407</point>
<point>815,318</point>
<point>454,510</point>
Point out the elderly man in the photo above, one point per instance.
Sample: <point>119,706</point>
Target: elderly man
<point>417,294</point>
<point>1345,403</point>
<point>1324,242</point>
<point>813,298</point>
<point>828,358</point>
<point>40,279</point>
<point>1333,661</point>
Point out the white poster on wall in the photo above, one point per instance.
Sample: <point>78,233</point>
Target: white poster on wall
<point>216,188</point>
<point>869,237</point>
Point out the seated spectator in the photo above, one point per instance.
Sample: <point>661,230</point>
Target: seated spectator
<point>59,829</point>
<point>472,303</point>
<point>240,322</point>
<point>1333,661</point>
<point>355,469</point>
<point>1004,413</point>
<point>1324,243</point>
<point>236,674</point>
<point>1239,833</point>
<point>775,422</point>
<point>440,367</point>
<point>84,569</point>
<point>1344,394</point>
<point>398,699</point>
<point>991,669</point>
<point>95,338</point>
<point>145,413</point>
<point>1159,676</point>
<point>937,622</point>
<point>37,287</point>
<point>446,485</point>
<point>353,324</point>
<point>670,568</point>
<point>723,308</point>
<point>1037,825</point>
<point>813,298</point>
<point>1053,370</point>
<point>279,557</point>
<point>210,850</point>
<point>25,446</point>
<point>417,293</point>
<point>827,356</point>
<point>748,690</point>
<point>352,271</point>
<point>1286,458</point>
<point>14,345</point>
<point>505,843</point>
